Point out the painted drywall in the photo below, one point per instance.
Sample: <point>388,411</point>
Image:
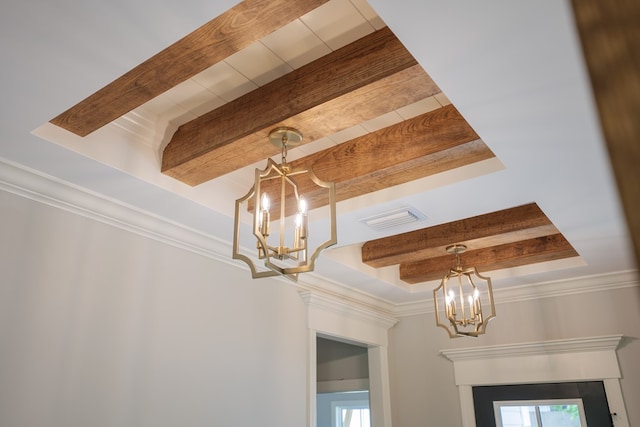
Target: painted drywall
<point>102,327</point>
<point>339,361</point>
<point>423,392</point>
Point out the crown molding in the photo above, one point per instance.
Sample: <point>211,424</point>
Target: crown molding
<point>537,291</point>
<point>332,289</point>
<point>348,309</point>
<point>34,185</point>
<point>25,182</point>
<point>22,181</point>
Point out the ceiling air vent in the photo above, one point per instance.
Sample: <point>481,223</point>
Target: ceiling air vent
<point>393,218</point>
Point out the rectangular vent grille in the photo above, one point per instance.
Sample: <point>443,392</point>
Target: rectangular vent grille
<point>393,218</point>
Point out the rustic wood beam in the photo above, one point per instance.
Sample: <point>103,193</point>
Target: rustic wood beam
<point>610,37</point>
<point>519,253</point>
<point>367,78</point>
<point>505,226</point>
<point>240,26</point>
<point>431,143</point>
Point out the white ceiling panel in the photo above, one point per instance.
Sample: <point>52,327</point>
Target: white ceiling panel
<point>369,13</point>
<point>420,107</point>
<point>225,81</point>
<point>296,44</point>
<point>337,23</point>
<point>382,121</point>
<point>259,64</point>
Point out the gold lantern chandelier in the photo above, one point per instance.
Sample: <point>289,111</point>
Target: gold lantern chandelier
<point>464,300</point>
<point>280,215</point>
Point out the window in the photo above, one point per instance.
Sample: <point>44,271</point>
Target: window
<point>352,414</point>
<point>536,413</point>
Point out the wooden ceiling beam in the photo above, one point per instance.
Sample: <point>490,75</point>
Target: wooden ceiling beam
<point>516,254</point>
<point>431,143</point>
<point>240,26</point>
<point>361,81</point>
<point>610,38</point>
<point>505,226</point>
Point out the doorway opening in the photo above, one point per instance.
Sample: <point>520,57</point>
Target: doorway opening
<point>342,370</point>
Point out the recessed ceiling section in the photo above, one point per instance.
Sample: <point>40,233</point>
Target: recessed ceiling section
<point>373,122</point>
<point>223,36</point>
<point>200,110</point>
<point>499,240</point>
<point>366,79</point>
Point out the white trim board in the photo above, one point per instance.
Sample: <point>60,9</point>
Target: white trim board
<point>577,359</point>
<point>328,316</point>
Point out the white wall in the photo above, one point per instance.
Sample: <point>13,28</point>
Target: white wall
<point>102,327</point>
<point>422,382</point>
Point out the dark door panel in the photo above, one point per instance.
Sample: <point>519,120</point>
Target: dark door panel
<point>592,393</point>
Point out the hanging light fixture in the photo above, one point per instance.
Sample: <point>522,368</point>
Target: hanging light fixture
<point>464,300</point>
<point>280,219</point>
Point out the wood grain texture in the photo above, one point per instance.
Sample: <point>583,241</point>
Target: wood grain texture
<point>610,36</point>
<point>360,81</point>
<point>431,143</point>
<point>496,228</point>
<point>522,252</point>
<point>240,26</point>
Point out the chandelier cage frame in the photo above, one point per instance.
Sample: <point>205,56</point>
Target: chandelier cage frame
<point>459,300</point>
<point>271,254</point>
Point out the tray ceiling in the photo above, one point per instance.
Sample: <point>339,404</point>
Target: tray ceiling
<point>198,114</point>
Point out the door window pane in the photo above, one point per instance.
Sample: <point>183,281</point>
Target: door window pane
<point>518,416</point>
<point>553,413</point>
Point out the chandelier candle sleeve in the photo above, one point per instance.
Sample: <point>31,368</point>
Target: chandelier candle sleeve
<point>476,303</point>
<point>451,305</point>
<point>296,233</point>
<point>304,225</point>
<point>264,215</point>
<point>472,309</point>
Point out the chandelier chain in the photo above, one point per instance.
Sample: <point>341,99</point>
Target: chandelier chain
<point>285,139</point>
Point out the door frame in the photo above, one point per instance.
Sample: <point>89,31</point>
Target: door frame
<point>332,317</point>
<point>576,359</point>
